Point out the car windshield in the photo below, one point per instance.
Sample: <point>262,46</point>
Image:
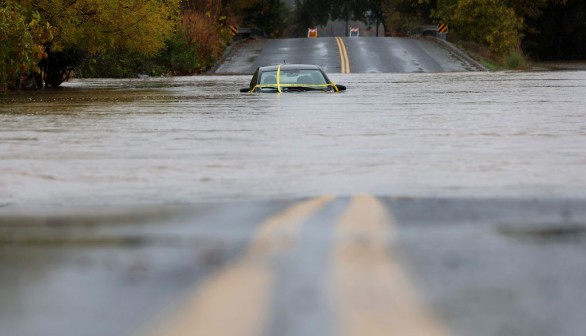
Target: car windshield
<point>293,79</point>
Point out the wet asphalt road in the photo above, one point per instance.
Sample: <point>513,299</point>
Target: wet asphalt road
<point>364,54</point>
<point>412,204</point>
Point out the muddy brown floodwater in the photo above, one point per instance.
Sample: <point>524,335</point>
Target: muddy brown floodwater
<point>191,139</point>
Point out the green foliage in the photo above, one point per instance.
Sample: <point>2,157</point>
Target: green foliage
<point>310,14</point>
<point>267,16</point>
<point>199,40</point>
<point>490,65</point>
<point>119,63</point>
<point>346,10</point>
<point>22,36</point>
<point>559,33</point>
<point>531,8</point>
<point>115,38</point>
<point>404,15</point>
<point>420,9</point>
<point>375,12</point>
<point>391,13</point>
<point>550,29</point>
<point>85,28</point>
<point>97,25</point>
<point>489,22</point>
<point>179,58</point>
<point>515,60</point>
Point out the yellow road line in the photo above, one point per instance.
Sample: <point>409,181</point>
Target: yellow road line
<point>345,63</point>
<point>345,55</point>
<point>342,63</point>
<point>236,300</point>
<point>373,293</point>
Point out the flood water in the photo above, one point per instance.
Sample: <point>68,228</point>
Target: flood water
<point>191,139</point>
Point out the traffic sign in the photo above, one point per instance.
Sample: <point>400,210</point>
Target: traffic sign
<point>442,28</point>
<point>233,30</point>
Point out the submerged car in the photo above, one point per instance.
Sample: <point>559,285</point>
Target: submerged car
<point>291,78</point>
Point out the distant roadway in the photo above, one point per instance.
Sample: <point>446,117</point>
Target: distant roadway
<point>347,55</point>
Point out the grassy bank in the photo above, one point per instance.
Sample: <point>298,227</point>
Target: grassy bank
<point>514,60</point>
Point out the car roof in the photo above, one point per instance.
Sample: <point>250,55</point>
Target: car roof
<point>290,67</point>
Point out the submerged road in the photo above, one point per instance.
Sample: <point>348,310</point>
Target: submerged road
<point>348,55</point>
<point>326,265</point>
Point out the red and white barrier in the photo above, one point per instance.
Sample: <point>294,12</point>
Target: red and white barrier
<point>311,32</point>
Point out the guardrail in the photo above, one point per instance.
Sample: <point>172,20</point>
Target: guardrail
<point>427,30</point>
<point>247,33</point>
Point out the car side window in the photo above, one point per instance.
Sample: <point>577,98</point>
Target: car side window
<point>268,78</point>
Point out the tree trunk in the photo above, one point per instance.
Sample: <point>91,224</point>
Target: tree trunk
<point>58,66</point>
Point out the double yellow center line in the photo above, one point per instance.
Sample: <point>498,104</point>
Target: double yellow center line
<point>343,55</point>
<point>371,292</point>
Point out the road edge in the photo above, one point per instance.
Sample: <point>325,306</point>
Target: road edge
<point>459,53</point>
<point>227,52</point>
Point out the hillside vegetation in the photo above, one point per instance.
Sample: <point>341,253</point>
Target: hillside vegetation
<point>45,42</point>
<point>540,29</point>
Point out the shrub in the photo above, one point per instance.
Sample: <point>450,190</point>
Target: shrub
<point>177,58</point>
<point>515,60</point>
<point>206,35</point>
<point>119,63</point>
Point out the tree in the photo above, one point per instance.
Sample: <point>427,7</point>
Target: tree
<point>545,28</point>
<point>531,8</point>
<point>346,10</point>
<point>558,33</point>
<point>488,22</point>
<point>22,36</point>
<point>318,13</point>
<point>402,15</point>
<point>203,31</point>
<point>309,14</point>
<point>376,14</point>
<point>266,15</point>
<point>83,28</point>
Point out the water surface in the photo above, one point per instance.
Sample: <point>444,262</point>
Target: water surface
<point>191,139</point>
